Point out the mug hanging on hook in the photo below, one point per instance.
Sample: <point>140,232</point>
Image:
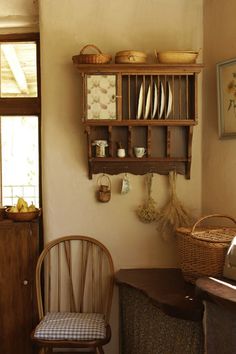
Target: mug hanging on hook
<point>125,184</point>
<point>104,189</point>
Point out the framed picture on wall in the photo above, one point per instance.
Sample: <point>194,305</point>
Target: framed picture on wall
<point>226,97</point>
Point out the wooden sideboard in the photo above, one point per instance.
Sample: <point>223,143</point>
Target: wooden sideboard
<point>219,296</point>
<point>159,313</point>
<point>18,256</point>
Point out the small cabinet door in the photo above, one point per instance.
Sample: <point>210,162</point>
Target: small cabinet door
<point>100,97</point>
<point>18,257</point>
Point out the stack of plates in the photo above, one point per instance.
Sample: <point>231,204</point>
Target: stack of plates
<point>160,100</point>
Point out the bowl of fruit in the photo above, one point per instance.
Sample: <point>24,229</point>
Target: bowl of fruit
<point>22,211</point>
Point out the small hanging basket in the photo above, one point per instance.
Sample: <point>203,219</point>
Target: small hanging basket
<point>202,250</point>
<point>104,189</point>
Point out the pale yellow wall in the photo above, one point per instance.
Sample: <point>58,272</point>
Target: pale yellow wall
<point>219,157</point>
<point>68,195</point>
<point>69,198</point>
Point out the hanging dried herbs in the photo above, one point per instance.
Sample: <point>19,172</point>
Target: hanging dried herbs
<point>173,214</point>
<point>148,212</point>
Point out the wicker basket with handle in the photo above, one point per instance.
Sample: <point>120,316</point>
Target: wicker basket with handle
<point>99,58</point>
<point>202,250</point>
<point>104,189</point>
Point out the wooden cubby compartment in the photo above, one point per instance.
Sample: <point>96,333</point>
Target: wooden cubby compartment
<point>163,124</point>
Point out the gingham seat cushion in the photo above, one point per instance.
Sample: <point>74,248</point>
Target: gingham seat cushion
<point>71,326</point>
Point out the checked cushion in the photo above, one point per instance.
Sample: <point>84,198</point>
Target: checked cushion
<point>71,326</point>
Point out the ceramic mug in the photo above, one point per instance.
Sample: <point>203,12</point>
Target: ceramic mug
<point>139,151</point>
<point>121,152</point>
<point>125,185</point>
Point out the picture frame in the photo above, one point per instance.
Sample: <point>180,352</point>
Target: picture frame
<point>226,98</point>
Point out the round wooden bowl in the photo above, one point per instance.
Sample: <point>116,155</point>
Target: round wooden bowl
<point>27,216</point>
<point>177,57</point>
<point>130,57</point>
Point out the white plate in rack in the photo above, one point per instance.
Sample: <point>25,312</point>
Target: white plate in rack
<point>169,100</point>
<point>162,100</point>
<point>140,103</point>
<point>148,103</point>
<point>154,109</point>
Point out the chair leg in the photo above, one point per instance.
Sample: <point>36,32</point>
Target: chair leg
<point>99,350</point>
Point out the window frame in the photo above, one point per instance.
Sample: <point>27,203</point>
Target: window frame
<point>25,106</point>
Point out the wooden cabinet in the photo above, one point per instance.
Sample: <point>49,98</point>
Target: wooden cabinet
<point>159,313</point>
<point>152,106</point>
<point>18,257</point>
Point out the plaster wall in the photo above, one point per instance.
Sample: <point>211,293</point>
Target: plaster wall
<point>69,202</point>
<point>19,7</point>
<point>18,16</point>
<point>219,158</point>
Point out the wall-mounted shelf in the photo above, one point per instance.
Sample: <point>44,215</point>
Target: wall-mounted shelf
<point>153,105</point>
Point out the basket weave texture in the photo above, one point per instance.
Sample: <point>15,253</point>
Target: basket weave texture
<point>99,58</point>
<point>202,251</point>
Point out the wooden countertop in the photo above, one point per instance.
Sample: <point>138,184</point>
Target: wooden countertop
<point>166,288</point>
<point>218,290</point>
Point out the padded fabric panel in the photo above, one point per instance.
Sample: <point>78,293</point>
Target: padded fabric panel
<point>71,326</point>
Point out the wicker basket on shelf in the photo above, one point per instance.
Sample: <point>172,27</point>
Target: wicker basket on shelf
<point>99,58</point>
<point>202,251</point>
<point>177,57</point>
<point>130,57</point>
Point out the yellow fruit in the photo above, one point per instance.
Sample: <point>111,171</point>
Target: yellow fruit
<point>24,209</point>
<point>32,207</point>
<point>13,209</point>
<point>21,203</point>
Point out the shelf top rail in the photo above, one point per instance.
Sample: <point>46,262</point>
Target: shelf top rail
<point>139,68</point>
<point>138,122</point>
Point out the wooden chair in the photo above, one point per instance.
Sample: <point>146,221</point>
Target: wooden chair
<point>74,308</point>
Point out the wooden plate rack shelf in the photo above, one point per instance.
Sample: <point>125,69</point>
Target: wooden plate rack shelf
<point>149,105</point>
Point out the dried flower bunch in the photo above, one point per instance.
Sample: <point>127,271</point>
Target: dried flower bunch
<point>119,145</point>
<point>173,213</point>
<point>148,212</point>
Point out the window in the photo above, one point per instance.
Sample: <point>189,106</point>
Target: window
<point>20,118</point>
